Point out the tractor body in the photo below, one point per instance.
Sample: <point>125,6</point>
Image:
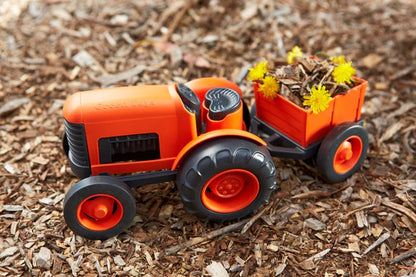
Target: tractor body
<point>194,133</point>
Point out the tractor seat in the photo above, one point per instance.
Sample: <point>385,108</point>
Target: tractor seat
<point>221,102</point>
<point>191,102</point>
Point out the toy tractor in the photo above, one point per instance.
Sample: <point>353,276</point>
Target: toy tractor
<point>197,134</point>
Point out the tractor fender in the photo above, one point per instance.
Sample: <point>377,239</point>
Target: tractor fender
<point>213,135</point>
<point>202,85</point>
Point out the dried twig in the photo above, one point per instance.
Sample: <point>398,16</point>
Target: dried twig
<point>248,223</point>
<point>177,19</point>
<point>255,217</point>
<point>319,193</point>
<point>369,206</point>
<point>377,242</point>
<point>211,235</point>
<point>109,79</point>
<point>404,255</point>
<point>331,68</point>
<point>404,72</point>
<point>409,213</point>
<point>7,199</point>
<point>309,263</point>
<point>375,203</point>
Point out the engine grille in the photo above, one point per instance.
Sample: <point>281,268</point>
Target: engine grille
<point>78,151</point>
<point>139,147</point>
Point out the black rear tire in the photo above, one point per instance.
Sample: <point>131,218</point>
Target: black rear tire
<point>216,164</point>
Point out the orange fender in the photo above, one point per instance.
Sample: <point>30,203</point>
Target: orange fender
<point>202,85</point>
<point>212,135</point>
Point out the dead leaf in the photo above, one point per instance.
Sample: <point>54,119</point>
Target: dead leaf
<point>216,269</point>
<point>390,132</point>
<point>12,105</point>
<point>196,61</point>
<point>372,60</point>
<point>109,79</point>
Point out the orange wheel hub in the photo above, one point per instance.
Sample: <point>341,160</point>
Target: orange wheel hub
<point>100,212</point>
<point>230,191</point>
<point>348,154</point>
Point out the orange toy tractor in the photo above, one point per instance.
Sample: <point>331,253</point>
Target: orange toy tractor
<point>194,133</point>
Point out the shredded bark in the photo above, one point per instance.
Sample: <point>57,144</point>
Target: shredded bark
<point>50,49</point>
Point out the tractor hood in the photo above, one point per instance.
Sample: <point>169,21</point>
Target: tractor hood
<point>122,103</point>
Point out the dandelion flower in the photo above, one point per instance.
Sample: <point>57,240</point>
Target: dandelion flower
<point>318,100</point>
<point>343,73</point>
<point>270,87</point>
<point>339,59</point>
<point>294,54</point>
<point>258,72</point>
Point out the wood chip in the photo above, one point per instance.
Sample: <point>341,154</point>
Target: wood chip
<point>216,269</point>
<point>373,269</point>
<point>256,217</point>
<point>13,105</point>
<point>258,254</point>
<point>40,160</point>
<point>8,252</point>
<point>109,79</point>
<point>391,131</point>
<point>12,208</point>
<point>280,269</point>
<point>84,59</point>
<point>361,219</point>
<point>249,11</point>
<point>210,235</point>
<point>380,240</point>
<point>310,262</point>
<point>166,211</point>
<point>315,224</point>
<point>409,213</point>
<point>197,61</point>
<point>118,260</point>
<point>372,60</point>
<point>409,253</point>
<point>404,108</point>
<point>43,259</point>
<point>148,258</point>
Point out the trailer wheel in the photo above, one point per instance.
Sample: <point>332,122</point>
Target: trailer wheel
<point>226,179</point>
<point>342,152</point>
<point>99,207</point>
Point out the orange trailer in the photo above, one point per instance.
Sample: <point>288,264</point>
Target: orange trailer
<point>335,136</point>
<point>302,125</point>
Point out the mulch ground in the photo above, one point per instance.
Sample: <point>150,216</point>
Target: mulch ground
<point>365,226</point>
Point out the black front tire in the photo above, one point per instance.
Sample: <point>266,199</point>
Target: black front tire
<point>99,207</point>
<point>233,160</point>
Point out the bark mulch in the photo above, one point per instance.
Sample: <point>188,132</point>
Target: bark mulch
<point>365,226</point>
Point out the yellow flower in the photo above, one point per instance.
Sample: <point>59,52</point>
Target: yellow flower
<point>339,59</point>
<point>318,100</point>
<point>258,72</point>
<point>270,87</point>
<point>294,54</point>
<point>343,73</point>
